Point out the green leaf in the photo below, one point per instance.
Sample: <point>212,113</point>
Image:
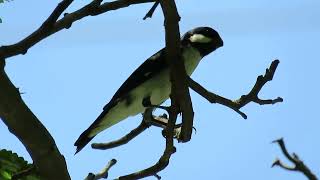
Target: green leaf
<point>1,1</point>
<point>5,175</point>
<point>11,163</point>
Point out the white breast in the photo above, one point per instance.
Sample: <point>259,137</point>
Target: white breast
<point>158,88</point>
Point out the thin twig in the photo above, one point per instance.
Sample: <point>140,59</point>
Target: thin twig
<point>124,140</point>
<point>104,173</point>
<point>151,11</point>
<point>148,120</point>
<point>23,173</point>
<point>252,96</point>
<point>128,137</point>
<point>299,166</point>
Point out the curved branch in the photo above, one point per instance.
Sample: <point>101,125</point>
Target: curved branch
<point>128,137</point>
<point>148,120</point>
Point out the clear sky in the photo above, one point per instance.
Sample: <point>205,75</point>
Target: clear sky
<point>70,76</point>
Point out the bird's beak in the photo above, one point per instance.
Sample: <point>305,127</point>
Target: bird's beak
<point>220,43</point>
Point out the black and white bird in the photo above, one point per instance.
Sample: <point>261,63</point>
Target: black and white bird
<point>152,80</point>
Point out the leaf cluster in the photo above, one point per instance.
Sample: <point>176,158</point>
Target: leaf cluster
<point>11,164</point>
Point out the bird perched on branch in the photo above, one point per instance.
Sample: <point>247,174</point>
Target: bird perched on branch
<point>151,80</point>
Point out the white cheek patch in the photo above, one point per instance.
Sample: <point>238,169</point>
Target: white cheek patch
<point>199,38</point>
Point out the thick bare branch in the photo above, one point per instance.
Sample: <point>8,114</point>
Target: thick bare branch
<point>299,166</point>
<point>252,96</point>
<point>51,26</point>
<point>179,85</point>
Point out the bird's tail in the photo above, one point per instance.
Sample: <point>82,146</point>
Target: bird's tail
<point>83,140</point>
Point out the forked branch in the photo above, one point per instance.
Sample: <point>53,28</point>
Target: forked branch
<point>252,96</point>
<point>298,164</point>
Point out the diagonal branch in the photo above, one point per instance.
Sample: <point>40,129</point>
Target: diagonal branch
<point>151,11</point>
<point>252,96</point>
<point>62,6</point>
<point>299,166</point>
<point>51,25</point>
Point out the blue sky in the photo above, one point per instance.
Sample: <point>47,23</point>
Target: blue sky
<point>70,76</point>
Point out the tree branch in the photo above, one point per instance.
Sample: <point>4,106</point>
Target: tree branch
<point>151,11</point>
<point>62,6</point>
<point>104,173</point>
<point>164,159</point>
<point>23,173</point>
<point>51,25</point>
<point>125,139</point>
<point>148,120</point>
<point>179,85</point>
<point>299,166</point>
<point>252,96</point>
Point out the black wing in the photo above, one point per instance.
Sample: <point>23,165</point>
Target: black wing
<point>145,71</point>
<point>152,66</point>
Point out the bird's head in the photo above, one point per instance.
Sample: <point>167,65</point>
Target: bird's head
<point>205,39</point>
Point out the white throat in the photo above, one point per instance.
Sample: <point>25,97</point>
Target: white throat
<point>191,58</point>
